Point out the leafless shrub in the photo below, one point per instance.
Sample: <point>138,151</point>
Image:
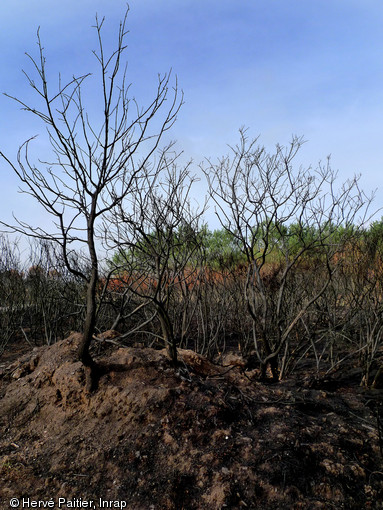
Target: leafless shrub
<point>258,196</point>
<point>95,167</point>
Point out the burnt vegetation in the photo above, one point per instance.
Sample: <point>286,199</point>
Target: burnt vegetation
<point>189,289</point>
<point>287,294</point>
<point>294,272</point>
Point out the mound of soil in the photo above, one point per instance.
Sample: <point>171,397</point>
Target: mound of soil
<point>200,437</point>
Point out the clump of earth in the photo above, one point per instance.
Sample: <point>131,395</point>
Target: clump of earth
<point>203,436</point>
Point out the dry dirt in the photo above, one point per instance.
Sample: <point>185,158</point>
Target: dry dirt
<point>201,437</point>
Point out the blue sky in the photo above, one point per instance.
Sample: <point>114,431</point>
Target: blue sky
<point>279,67</point>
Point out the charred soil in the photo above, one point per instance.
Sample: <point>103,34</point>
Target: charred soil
<point>200,437</point>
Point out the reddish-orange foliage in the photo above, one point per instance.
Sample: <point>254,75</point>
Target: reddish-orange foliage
<point>355,261</point>
<point>190,279</point>
<point>351,262</point>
